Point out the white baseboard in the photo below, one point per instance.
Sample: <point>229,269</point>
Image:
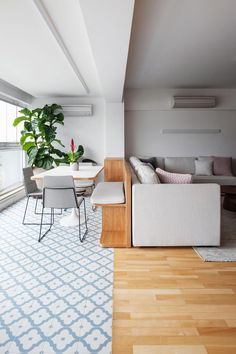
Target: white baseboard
<point>11,198</point>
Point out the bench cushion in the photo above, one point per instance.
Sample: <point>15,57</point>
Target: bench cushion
<point>108,193</point>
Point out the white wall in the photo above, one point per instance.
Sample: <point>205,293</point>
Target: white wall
<point>148,111</point>
<point>114,130</point>
<point>87,131</point>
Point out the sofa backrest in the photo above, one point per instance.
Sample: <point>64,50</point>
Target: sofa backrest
<point>183,164</point>
<point>180,164</point>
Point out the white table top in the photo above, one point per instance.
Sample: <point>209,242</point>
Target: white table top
<point>85,172</point>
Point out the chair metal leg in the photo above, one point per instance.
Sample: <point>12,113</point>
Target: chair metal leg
<point>41,224</point>
<point>94,208</point>
<point>86,227</point>
<point>85,215</point>
<point>36,204</point>
<point>26,207</point>
<point>25,212</point>
<point>39,213</point>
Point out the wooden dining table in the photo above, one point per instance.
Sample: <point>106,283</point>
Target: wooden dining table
<point>85,172</point>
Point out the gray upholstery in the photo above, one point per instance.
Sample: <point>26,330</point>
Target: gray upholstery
<point>222,180</point>
<point>175,215</point>
<point>180,164</point>
<point>59,192</point>
<point>108,193</point>
<point>31,188</point>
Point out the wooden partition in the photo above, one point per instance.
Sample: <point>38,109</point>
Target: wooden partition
<point>116,218</point>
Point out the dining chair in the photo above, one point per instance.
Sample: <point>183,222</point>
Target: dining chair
<point>59,192</point>
<point>31,191</point>
<point>85,184</point>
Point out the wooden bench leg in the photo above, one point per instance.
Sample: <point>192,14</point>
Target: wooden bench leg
<point>113,227</point>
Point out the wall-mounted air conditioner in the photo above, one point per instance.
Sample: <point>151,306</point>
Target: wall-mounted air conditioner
<point>193,102</point>
<point>82,110</point>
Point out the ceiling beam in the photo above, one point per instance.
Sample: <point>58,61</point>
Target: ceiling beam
<point>44,13</point>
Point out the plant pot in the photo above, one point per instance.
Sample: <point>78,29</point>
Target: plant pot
<point>74,166</point>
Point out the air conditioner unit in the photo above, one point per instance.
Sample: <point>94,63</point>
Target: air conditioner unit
<point>82,110</point>
<point>193,102</point>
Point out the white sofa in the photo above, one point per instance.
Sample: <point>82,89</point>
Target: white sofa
<point>175,214</point>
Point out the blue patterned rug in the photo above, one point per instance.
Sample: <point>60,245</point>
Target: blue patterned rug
<point>55,296</point>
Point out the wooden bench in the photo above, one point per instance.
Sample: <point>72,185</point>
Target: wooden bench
<point>114,196</point>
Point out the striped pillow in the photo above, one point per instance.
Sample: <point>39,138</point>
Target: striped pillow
<point>173,178</point>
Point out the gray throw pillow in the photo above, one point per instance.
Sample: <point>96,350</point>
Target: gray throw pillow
<point>151,160</point>
<point>203,167</point>
<point>146,174</point>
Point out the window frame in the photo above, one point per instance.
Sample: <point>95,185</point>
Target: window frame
<point>14,146</point>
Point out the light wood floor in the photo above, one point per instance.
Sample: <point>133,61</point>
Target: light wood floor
<point>168,301</point>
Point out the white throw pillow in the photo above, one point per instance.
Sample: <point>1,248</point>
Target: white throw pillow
<point>134,161</point>
<point>146,174</point>
<point>203,167</point>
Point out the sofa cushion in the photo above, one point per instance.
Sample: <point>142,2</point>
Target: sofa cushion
<point>222,180</point>
<point>203,167</point>
<point>146,174</point>
<point>173,178</point>
<point>180,164</point>
<point>222,166</point>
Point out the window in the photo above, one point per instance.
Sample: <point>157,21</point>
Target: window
<point>11,155</point>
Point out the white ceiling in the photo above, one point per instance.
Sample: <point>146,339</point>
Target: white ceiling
<point>65,47</point>
<point>108,25</point>
<point>183,44</point>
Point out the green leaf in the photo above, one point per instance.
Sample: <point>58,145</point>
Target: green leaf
<point>39,163</point>
<point>36,110</point>
<point>57,152</point>
<point>26,112</point>
<point>49,133</point>
<point>25,136</point>
<point>42,151</point>
<point>19,119</point>
<point>47,162</point>
<point>58,141</point>
<point>28,126</point>
<point>28,145</point>
<point>80,150</point>
<point>32,153</point>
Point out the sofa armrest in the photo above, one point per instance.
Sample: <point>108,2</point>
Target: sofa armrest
<point>176,214</point>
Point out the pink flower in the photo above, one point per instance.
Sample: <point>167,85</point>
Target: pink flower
<point>72,145</point>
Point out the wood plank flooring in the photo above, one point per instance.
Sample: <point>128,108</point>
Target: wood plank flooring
<point>168,301</point>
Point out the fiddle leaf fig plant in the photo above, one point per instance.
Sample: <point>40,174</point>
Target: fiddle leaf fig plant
<point>39,135</point>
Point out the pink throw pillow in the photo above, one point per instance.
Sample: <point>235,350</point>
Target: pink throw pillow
<point>173,178</point>
<point>222,166</point>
